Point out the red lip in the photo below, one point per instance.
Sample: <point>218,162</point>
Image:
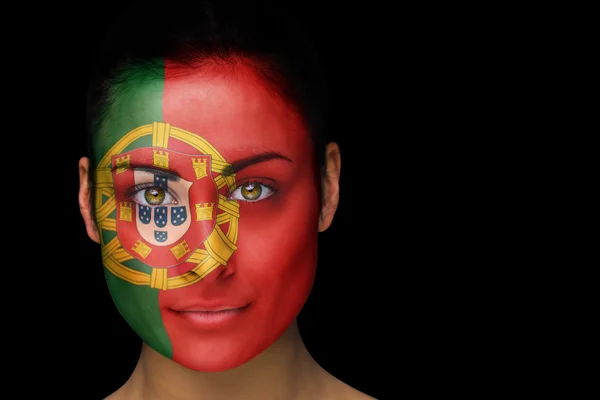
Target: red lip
<point>213,306</point>
<point>212,316</point>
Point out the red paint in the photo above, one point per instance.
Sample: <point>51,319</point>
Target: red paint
<point>201,191</point>
<point>273,268</point>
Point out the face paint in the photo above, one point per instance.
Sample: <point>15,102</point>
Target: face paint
<point>208,266</point>
<point>167,203</point>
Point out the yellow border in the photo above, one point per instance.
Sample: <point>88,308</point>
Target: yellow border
<point>219,245</point>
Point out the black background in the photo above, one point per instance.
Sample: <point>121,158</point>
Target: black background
<point>382,315</point>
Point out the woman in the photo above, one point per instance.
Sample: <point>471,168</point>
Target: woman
<point>208,179</point>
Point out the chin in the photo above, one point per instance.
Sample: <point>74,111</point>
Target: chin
<point>226,352</point>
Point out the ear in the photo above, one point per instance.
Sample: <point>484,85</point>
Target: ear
<point>85,199</point>
<point>330,185</point>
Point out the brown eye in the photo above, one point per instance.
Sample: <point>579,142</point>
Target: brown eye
<point>251,191</point>
<point>154,196</point>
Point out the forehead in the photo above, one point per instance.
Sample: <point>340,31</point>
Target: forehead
<point>235,110</point>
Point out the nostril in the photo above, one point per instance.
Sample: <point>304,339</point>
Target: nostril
<point>219,273</point>
<point>224,273</point>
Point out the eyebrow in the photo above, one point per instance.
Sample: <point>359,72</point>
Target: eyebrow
<point>234,167</point>
<point>239,165</point>
<point>158,172</point>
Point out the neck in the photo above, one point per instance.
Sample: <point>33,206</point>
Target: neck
<point>285,370</point>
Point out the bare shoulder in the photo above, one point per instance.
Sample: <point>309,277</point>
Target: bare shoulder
<point>115,396</point>
<point>339,390</point>
<point>122,394</point>
<point>350,393</point>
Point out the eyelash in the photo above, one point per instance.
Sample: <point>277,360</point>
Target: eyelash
<point>147,185</point>
<point>263,182</point>
<point>269,184</point>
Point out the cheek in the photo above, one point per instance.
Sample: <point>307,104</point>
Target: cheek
<point>277,244</point>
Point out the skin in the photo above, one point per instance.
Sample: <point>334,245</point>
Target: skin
<point>261,354</point>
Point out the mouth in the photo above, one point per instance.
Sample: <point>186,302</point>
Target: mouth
<point>204,316</point>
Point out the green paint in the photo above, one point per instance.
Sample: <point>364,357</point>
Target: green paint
<point>137,102</point>
<point>139,307</point>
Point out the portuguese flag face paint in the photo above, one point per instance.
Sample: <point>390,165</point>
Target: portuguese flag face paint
<point>207,203</point>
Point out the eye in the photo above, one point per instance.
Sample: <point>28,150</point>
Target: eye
<point>150,195</point>
<point>252,191</point>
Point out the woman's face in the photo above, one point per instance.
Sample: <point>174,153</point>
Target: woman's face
<point>207,203</point>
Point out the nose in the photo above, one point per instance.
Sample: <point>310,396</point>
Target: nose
<point>217,275</point>
<point>220,248</point>
<point>223,272</point>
